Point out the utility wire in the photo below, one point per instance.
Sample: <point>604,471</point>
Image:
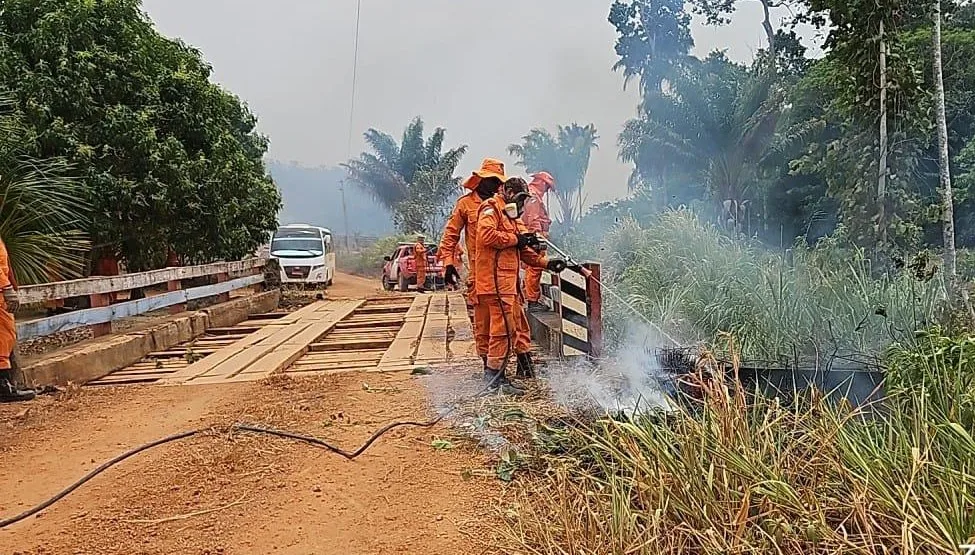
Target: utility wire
<point>348,147</point>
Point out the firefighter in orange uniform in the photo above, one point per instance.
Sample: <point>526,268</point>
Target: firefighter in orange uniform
<point>503,243</point>
<point>420,262</point>
<point>8,331</point>
<point>537,221</point>
<point>482,184</point>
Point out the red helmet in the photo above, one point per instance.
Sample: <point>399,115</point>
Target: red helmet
<point>544,181</point>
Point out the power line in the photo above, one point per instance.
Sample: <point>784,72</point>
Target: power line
<point>348,148</point>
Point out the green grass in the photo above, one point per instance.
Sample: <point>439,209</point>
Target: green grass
<point>696,282</point>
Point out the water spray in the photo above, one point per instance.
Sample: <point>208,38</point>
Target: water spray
<point>576,266</point>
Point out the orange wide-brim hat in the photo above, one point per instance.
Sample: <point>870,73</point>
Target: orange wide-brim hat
<point>489,168</point>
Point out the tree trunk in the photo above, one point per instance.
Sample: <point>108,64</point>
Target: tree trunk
<point>947,207</point>
<point>882,169</point>
<point>769,31</point>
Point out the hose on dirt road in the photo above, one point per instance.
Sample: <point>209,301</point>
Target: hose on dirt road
<point>214,431</point>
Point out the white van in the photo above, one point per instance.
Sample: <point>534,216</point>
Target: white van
<point>304,253</point>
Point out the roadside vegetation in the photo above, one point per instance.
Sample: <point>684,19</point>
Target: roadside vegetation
<point>165,161</point>
<point>764,226</point>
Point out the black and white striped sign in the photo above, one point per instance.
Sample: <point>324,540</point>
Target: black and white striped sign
<point>574,309</point>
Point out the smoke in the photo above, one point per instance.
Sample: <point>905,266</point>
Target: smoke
<point>631,380</point>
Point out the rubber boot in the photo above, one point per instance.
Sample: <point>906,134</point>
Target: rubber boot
<point>9,392</point>
<point>496,381</point>
<point>526,366</point>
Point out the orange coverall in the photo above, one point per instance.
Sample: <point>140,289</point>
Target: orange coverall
<point>536,220</point>
<point>463,219</point>
<point>499,307</point>
<point>420,261</point>
<point>8,331</point>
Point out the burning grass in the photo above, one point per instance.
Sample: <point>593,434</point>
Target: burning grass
<point>743,475</point>
<point>737,472</point>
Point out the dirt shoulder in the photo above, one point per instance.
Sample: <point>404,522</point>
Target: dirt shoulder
<point>242,493</point>
<point>239,493</point>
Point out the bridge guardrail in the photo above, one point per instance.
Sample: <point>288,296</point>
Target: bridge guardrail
<point>98,290</point>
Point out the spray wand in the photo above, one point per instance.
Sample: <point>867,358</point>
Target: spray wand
<point>577,267</point>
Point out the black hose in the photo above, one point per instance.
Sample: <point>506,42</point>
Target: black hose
<point>234,428</point>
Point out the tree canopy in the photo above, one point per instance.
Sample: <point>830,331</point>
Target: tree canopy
<point>565,155</point>
<point>169,160</point>
<point>414,178</point>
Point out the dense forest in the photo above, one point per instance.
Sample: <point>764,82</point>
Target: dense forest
<point>164,163</point>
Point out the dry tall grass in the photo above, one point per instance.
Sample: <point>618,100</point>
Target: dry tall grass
<point>744,475</point>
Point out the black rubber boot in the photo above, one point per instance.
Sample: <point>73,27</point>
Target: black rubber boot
<point>9,392</point>
<point>496,382</point>
<point>526,366</point>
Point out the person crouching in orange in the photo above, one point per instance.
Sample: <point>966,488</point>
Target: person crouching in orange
<point>482,185</point>
<point>420,263</point>
<point>503,243</point>
<point>537,221</point>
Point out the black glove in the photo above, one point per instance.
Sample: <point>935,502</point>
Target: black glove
<point>451,275</point>
<point>556,265</point>
<point>529,240</point>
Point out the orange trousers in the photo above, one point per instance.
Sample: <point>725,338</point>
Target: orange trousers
<point>503,323</point>
<point>8,337</point>
<point>533,284</point>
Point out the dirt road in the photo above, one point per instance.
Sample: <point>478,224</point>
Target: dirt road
<point>242,494</point>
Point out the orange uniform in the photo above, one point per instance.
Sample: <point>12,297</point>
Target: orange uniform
<point>537,221</point>
<point>8,331</point>
<point>499,305</point>
<point>463,219</point>
<point>420,261</point>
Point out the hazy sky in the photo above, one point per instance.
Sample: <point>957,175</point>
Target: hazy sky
<point>486,70</point>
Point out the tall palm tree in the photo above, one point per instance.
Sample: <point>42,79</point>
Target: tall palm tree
<point>413,179</point>
<point>714,126</point>
<point>42,207</point>
<point>565,156</point>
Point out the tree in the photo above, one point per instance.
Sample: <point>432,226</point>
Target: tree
<point>414,179</point>
<point>42,207</point>
<point>654,40</point>
<point>169,160</point>
<point>714,127</point>
<point>718,12</point>
<point>565,156</point>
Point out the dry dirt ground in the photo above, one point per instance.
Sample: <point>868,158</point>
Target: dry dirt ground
<point>239,493</point>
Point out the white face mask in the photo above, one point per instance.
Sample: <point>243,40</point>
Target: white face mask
<point>511,210</point>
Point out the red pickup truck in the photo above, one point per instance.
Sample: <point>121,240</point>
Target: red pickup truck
<point>400,269</point>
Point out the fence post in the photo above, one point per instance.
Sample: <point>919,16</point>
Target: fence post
<point>100,300</point>
<point>594,304</point>
<point>175,285</point>
<point>223,297</point>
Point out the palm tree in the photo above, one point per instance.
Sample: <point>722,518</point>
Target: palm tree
<point>714,126</point>
<point>566,157</point>
<point>42,207</point>
<point>413,179</point>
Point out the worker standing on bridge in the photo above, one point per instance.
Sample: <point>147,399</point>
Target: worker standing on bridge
<point>420,262</point>
<point>482,184</point>
<point>8,331</point>
<point>537,221</point>
<point>503,243</point>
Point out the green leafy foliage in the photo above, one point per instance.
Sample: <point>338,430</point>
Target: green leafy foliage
<point>169,159</point>
<point>654,40</point>
<point>414,179</point>
<point>42,206</point>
